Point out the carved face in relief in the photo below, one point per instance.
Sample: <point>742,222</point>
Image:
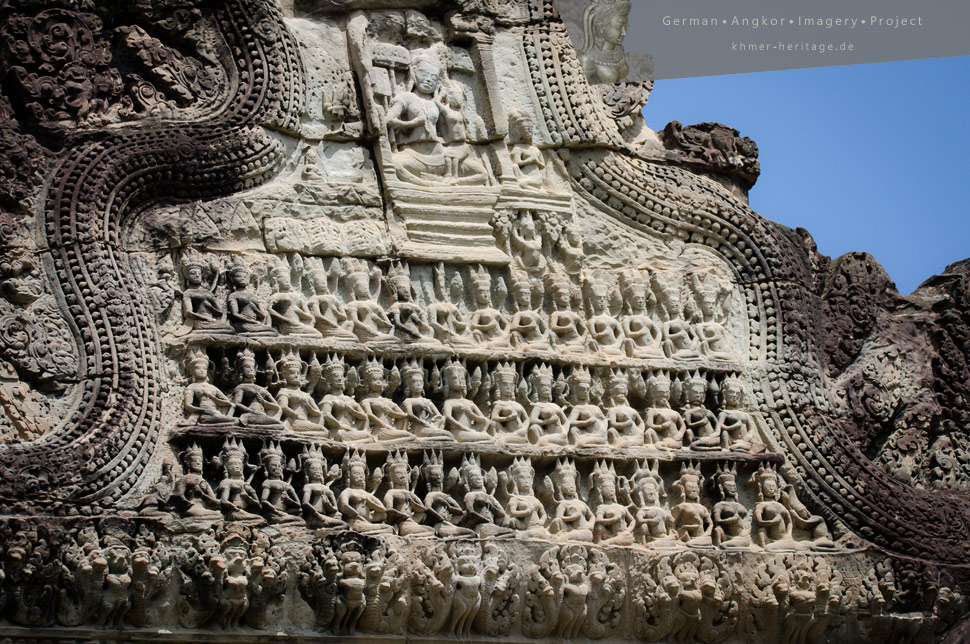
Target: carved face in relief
<point>660,392</point>
<point>247,368</point>
<point>523,478</point>
<point>567,485</point>
<point>474,477</point>
<point>769,487</point>
<point>522,292</point>
<point>274,467</point>
<point>614,29</point>
<point>607,488</point>
<point>708,302</point>
<point>599,299</point>
<point>292,373</point>
<point>398,473</point>
<point>732,394</point>
<point>193,462</point>
<point>696,392</point>
<point>581,386</point>
<point>414,382</point>
<point>636,297</point>
<point>193,275</point>
<point>234,466</point>
<point>427,76</point>
<point>729,487</point>
<point>199,369</point>
<point>482,292</point>
<point>239,277</point>
<point>619,389</point>
<point>691,488</point>
<point>357,476</point>
<point>506,385</point>
<point>337,378</point>
<point>543,385</point>
<point>315,470</point>
<point>649,490</point>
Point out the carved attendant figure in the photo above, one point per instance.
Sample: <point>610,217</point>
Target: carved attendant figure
<point>729,513</point>
<point>255,405</point>
<point>234,492</point>
<point>463,418</point>
<point>246,314</point>
<point>369,321</point>
<point>329,315</point>
<point>655,525</point>
<point>526,513</point>
<point>204,404</point>
<point>604,329</point>
<point>625,426</point>
<point>362,510</point>
<point>509,420</point>
<point>200,308</point>
<point>404,507</point>
<point>489,325</point>
<point>547,421</point>
<point>567,327</point>
<point>586,424</point>
<point>573,521</point>
<point>643,336</point>
<point>482,509</point>
<point>691,517</point>
<point>604,26</point>
<point>444,316</point>
<point>192,491</point>
<point>442,509</point>
<point>772,523</point>
<point>341,414</point>
<point>614,522</point>
<point>736,428</point>
<point>278,499</point>
<point>319,502</point>
<point>385,419</point>
<point>527,159</point>
<point>408,319</point>
<point>300,412</point>
<point>527,329</point>
<point>702,432</point>
<point>665,427</point>
<point>526,245</point>
<point>424,420</point>
<point>290,314</point>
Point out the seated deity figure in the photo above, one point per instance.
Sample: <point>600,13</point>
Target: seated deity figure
<point>246,314</point>
<point>526,513</point>
<point>300,411</point>
<point>368,320</point>
<point>404,508</point>
<point>811,525</point>
<point>624,424</point>
<point>385,418</point>
<point>571,252</point>
<point>710,296</point>
<point>192,492</point>
<point>604,27</point>
<point>771,524</point>
<point>586,424</point>
<point>691,518</point>
<point>235,494</point>
<point>463,418</point>
<point>547,420</point>
<point>527,160</point>
<point>483,512</point>
<point>407,317</point>
<point>319,502</point>
<point>278,497</point>
<point>527,329</point>
<point>201,311</point>
<point>287,309</point>
<point>679,340</point>
<point>417,121</point>
<point>604,329</point>
<point>655,524</point>
<point>729,512</point>
<point>489,325</point>
<point>444,315</point>
<point>360,508</point>
<point>443,511</point>
<point>423,419</point>
<point>567,327</point>
<point>203,402</point>
<point>509,420</point>
<point>642,335</point>
<point>527,245</point>
<point>702,433</point>
<point>341,414</point>
<point>329,316</point>
<point>664,427</point>
<point>255,406</point>
<point>736,429</point>
<point>573,520</point>
<point>614,523</point>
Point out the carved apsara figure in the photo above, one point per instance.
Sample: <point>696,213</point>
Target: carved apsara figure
<point>527,160</point>
<point>643,335</point>
<point>489,325</point>
<point>604,28</point>
<point>245,312</point>
<point>463,418</point>
<point>625,426</point>
<point>655,524</point>
<point>318,501</point>
<point>254,405</point>
<point>679,339</point>
<point>526,244</point>
<point>614,523</point>
<point>526,513</point>
<point>573,520</point>
<point>664,427</point>
<point>192,494</point>
<point>329,316</point>
<point>201,310</point>
<point>385,418</point>
<point>604,329</point>
<point>468,589</point>
<point>566,326</point>
<point>771,525</point>
<point>341,414</point>
<point>442,510</point>
<point>235,493</point>
<point>729,513</point>
<point>702,433</point>
<point>406,315</point>
<point>710,299</point>
<point>300,411</point>
<point>509,420</point>
<point>368,319</point>
<point>527,329</point>
<point>691,517</point>
<point>423,420</point>
<point>547,420</point>
<point>203,402</point>
<point>483,512</point>
<point>444,315</point>
<point>586,424</point>
<point>404,508</point>
<point>287,308</point>
<point>360,508</point>
<point>736,428</point>
<point>278,496</point>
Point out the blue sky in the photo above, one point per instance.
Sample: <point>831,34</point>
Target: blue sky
<point>868,157</point>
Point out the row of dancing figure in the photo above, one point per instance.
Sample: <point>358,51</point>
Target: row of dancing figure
<point>495,403</point>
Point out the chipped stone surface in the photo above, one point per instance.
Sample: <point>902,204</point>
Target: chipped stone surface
<point>375,319</point>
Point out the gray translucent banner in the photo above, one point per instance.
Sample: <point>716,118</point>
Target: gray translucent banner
<point>710,37</point>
